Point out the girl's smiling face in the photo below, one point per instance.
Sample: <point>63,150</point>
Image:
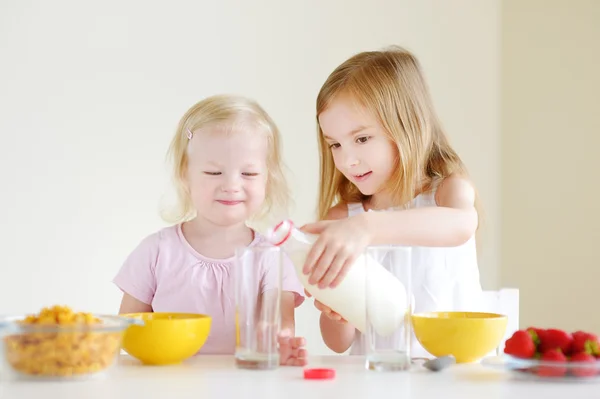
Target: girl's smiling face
<point>227,174</point>
<point>361,149</point>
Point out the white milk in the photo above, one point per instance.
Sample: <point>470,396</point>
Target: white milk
<point>387,300</point>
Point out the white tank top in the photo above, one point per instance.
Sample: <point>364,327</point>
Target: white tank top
<point>443,278</point>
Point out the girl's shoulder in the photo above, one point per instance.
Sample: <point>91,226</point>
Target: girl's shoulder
<point>455,191</point>
<point>340,211</point>
<point>161,237</point>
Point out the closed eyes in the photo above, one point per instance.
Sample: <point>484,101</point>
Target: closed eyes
<point>249,174</point>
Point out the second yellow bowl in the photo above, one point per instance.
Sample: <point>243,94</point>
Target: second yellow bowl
<point>166,338</point>
<point>468,336</point>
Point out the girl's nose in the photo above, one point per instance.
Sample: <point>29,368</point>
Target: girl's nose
<point>231,184</point>
<point>349,159</point>
<point>354,163</point>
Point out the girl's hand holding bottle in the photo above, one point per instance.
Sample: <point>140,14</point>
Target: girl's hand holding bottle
<point>339,244</point>
<point>327,311</point>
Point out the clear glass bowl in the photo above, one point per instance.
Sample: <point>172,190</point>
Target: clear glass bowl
<point>36,351</point>
<point>545,370</point>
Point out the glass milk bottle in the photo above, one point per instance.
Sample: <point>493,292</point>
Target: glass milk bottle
<point>348,299</point>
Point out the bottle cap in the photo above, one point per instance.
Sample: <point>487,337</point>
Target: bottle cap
<point>280,233</point>
<point>319,374</point>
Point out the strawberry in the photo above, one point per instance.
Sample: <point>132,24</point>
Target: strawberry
<point>583,357</point>
<point>552,339</point>
<point>520,345</point>
<point>555,356</point>
<point>535,334</point>
<point>585,342</point>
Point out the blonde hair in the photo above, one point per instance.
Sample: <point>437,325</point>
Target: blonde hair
<point>390,85</point>
<point>228,112</point>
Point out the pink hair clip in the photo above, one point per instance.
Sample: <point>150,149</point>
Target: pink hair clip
<point>189,134</point>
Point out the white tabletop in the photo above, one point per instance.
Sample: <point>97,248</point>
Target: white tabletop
<point>216,377</point>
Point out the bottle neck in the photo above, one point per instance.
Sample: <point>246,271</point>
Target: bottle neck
<point>290,238</point>
<point>298,240</point>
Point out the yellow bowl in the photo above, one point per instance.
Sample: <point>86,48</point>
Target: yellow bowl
<point>468,336</point>
<point>166,338</point>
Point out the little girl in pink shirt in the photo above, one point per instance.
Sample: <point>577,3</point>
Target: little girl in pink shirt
<point>227,172</point>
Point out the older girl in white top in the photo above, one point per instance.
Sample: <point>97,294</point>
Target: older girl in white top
<point>390,176</point>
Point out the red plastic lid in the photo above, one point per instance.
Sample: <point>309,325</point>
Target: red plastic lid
<point>319,374</point>
<point>287,234</point>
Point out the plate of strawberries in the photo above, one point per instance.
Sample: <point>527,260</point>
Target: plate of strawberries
<point>551,354</point>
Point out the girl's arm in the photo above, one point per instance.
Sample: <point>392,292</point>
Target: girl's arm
<point>131,305</point>
<point>136,277</point>
<point>337,335</point>
<point>451,223</point>
<point>291,348</point>
<point>288,308</point>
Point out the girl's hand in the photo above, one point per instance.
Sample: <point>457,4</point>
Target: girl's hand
<point>291,350</point>
<point>327,311</point>
<point>340,242</point>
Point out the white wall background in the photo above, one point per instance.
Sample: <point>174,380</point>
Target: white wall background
<point>90,93</point>
<point>550,162</point>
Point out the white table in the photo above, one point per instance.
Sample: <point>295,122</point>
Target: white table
<point>216,377</point>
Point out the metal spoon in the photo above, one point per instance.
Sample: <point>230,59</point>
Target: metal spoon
<point>439,363</point>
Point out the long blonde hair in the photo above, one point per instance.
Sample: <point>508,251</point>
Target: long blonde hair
<point>229,112</point>
<point>390,85</point>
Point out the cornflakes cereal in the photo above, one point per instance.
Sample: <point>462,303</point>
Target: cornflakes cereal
<point>62,353</point>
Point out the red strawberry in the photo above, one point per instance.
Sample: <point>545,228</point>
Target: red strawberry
<point>585,342</point>
<point>584,371</point>
<point>552,339</point>
<point>554,370</point>
<point>520,345</point>
<point>535,334</point>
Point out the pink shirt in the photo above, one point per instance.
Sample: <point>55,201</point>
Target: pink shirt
<point>164,271</point>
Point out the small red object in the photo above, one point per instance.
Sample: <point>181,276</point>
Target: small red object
<point>319,374</point>
<point>287,235</point>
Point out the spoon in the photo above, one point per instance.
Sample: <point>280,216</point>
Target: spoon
<point>439,363</point>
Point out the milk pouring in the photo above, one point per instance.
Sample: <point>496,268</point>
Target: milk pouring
<point>387,301</point>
